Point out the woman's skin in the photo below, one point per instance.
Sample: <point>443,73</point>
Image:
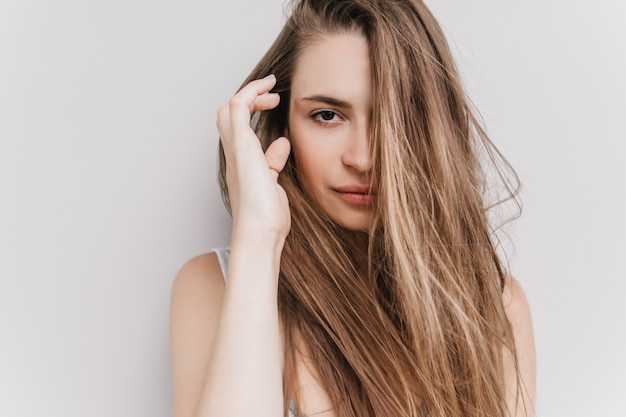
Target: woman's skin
<point>329,113</point>
<point>226,344</point>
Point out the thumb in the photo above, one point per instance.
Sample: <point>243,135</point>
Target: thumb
<point>276,155</point>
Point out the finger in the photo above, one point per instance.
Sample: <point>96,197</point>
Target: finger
<point>241,104</point>
<point>265,101</point>
<point>277,154</point>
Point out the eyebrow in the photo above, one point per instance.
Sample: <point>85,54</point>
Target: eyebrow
<point>327,100</point>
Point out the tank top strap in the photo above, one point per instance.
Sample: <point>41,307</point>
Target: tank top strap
<point>222,258</point>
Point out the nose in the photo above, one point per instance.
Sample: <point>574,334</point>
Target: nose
<point>357,153</point>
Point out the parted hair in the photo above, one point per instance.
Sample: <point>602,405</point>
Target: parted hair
<point>406,320</point>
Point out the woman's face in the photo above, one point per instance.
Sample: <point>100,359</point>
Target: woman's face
<point>329,117</point>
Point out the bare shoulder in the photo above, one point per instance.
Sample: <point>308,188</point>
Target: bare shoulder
<point>201,272</point>
<point>196,301</point>
<point>515,302</point>
<point>196,293</point>
<point>521,384</point>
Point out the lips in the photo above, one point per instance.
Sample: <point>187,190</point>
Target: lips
<point>357,194</point>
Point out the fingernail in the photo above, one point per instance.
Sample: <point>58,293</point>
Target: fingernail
<point>267,77</point>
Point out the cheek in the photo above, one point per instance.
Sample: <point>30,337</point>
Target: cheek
<point>309,163</point>
<point>316,152</point>
<point>304,152</point>
<point>313,165</point>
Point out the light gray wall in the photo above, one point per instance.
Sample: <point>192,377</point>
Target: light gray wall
<point>107,184</point>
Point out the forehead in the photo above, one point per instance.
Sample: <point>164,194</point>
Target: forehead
<point>336,65</point>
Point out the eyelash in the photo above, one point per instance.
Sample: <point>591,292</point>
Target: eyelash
<point>317,117</point>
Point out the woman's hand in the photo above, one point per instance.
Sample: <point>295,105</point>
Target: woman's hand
<point>259,204</point>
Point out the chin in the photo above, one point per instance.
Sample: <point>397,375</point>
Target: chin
<point>355,224</point>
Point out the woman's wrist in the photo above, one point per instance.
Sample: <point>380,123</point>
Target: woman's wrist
<point>258,237</point>
<point>255,259</point>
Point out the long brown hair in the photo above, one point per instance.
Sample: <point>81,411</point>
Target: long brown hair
<point>410,322</point>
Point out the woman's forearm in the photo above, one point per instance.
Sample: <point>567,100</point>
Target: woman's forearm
<point>244,373</point>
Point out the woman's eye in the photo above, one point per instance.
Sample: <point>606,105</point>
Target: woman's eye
<point>325,116</point>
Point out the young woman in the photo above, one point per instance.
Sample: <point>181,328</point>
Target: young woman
<point>363,278</point>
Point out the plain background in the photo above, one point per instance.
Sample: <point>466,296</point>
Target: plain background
<point>108,185</point>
